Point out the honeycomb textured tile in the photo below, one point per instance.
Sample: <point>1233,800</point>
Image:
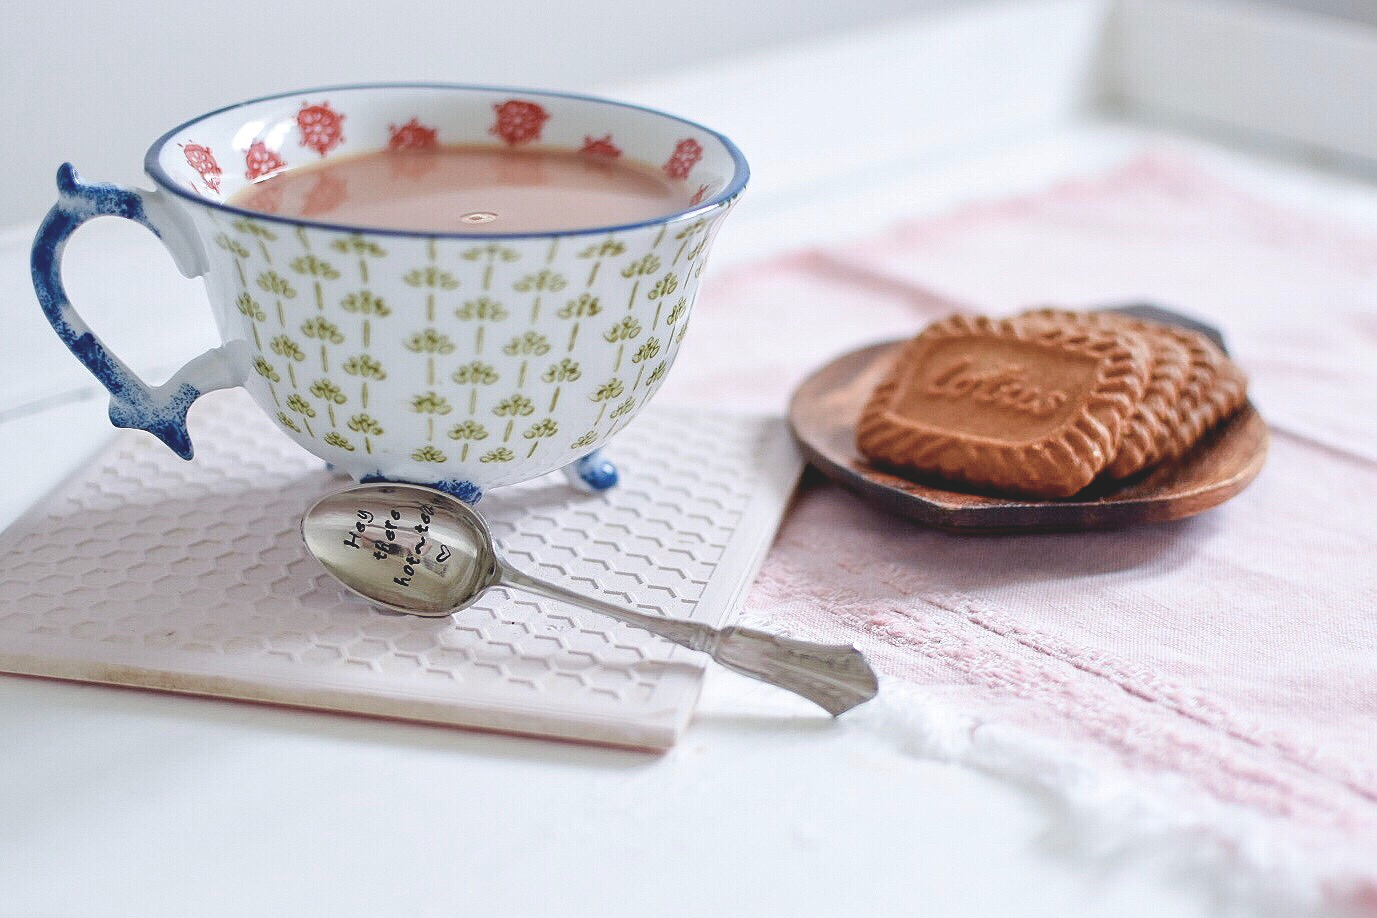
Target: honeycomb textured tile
<point>191,577</point>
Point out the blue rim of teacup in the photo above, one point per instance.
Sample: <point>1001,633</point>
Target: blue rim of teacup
<point>742,171</point>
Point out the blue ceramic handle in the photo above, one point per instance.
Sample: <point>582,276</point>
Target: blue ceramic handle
<point>160,410</point>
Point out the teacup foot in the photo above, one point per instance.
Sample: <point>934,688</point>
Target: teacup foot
<point>466,491</point>
<point>593,472</point>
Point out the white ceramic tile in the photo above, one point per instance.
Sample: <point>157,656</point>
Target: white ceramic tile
<point>190,577</point>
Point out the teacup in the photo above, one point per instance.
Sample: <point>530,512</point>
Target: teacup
<point>465,361</point>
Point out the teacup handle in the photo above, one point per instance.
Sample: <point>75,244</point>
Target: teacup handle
<point>160,410</point>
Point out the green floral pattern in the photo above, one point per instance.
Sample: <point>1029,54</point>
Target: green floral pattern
<point>381,349</point>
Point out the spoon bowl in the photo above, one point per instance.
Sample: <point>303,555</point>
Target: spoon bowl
<point>409,549</point>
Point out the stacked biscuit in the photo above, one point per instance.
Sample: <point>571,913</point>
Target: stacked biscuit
<point>1046,402</point>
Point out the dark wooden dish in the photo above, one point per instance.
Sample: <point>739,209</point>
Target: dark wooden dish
<point>823,416</point>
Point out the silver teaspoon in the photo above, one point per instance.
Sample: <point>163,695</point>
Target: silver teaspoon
<point>420,551</point>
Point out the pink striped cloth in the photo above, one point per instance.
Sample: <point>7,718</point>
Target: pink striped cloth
<point>1226,664</point>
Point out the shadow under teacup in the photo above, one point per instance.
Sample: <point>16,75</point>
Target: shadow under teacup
<point>463,360</point>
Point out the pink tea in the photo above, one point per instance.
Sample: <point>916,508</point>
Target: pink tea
<point>475,189</point>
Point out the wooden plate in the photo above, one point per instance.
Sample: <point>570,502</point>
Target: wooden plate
<point>823,416</point>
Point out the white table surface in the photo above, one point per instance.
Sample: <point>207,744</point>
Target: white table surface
<point>121,802</point>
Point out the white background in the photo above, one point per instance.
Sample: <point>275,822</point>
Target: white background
<point>96,81</point>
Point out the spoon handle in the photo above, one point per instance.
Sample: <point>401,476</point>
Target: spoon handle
<point>836,677</point>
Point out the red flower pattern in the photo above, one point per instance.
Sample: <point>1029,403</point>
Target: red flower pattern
<point>259,160</point>
<point>686,154</point>
<point>203,161</point>
<point>322,128</point>
<point>600,146</point>
<point>518,121</point>
<point>412,136</point>
<point>699,195</point>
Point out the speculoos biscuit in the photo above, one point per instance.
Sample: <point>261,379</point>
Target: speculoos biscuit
<point>1030,408</point>
<point>1152,425</point>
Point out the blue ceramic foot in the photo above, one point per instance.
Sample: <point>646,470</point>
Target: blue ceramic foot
<point>593,472</point>
<point>466,491</point>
